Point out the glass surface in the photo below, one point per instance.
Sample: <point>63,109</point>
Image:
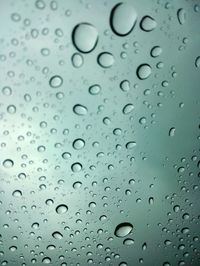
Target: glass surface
<point>99,132</point>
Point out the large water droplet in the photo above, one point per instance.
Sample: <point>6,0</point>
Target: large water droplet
<point>85,37</point>
<point>148,23</point>
<point>62,208</point>
<point>143,71</point>
<point>17,193</point>
<point>105,60</point>
<point>46,260</point>
<point>76,167</point>
<point>123,229</point>
<point>123,19</point>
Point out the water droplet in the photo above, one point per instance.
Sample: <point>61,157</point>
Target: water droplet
<point>125,85</point>
<point>17,193</point>
<point>130,144</point>
<point>7,91</point>
<point>57,235</point>
<point>128,108</point>
<point>151,201</point>
<point>77,60</point>
<point>77,185</point>
<point>105,60</point>
<point>123,18</point>
<point>181,15</point>
<point>156,51</point>
<point>80,109</point>
<point>144,246</point>
<point>148,23</point>
<point>144,71</point>
<point>46,260</point>
<point>123,229</point>
<point>35,225</point>
<point>62,208</point>
<point>197,62</point>
<point>85,37</point>
<point>172,131</point>
<point>128,242</point>
<point>78,144</point>
<point>76,167</point>
<point>11,109</point>
<point>55,81</point>
<point>94,89</point>
<point>8,163</point>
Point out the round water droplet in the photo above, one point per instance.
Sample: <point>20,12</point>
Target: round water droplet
<point>85,37</point>
<point>46,260</point>
<point>57,235</point>
<point>76,167</point>
<point>94,89</point>
<point>17,193</point>
<point>105,60</point>
<point>77,185</point>
<point>123,18</point>
<point>62,208</point>
<point>35,225</point>
<point>8,163</point>
<point>80,109</point>
<point>148,23</point>
<point>77,60</point>
<point>128,108</point>
<point>197,62</point>
<point>156,51</point>
<point>78,144</point>
<point>125,85</point>
<point>55,81</point>
<point>181,15</point>
<point>11,109</point>
<point>144,71</point>
<point>123,229</point>
<point>7,91</point>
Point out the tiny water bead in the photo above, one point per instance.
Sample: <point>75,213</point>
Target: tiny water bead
<point>105,59</point>
<point>85,37</point>
<point>148,24</point>
<point>56,81</point>
<point>62,208</point>
<point>144,71</point>
<point>123,18</point>
<point>77,185</point>
<point>123,229</point>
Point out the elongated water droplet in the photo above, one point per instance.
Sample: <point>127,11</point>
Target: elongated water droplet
<point>85,37</point>
<point>123,18</point>
<point>123,229</point>
<point>80,109</point>
<point>181,15</point>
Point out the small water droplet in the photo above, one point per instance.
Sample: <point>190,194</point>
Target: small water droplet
<point>105,59</point>
<point>94,89</point>
<point>144,71</point>
<point>77,60</point>
<point>62,208</point>
<point>57,235</point>
<point>76,167</point>
<point>55,81</point>
<point>78,144</point>
<point>181,15</point>
<point>80,109</point>
<point>197,62</point>
<point>77,185</point>
<point>172,131</point>
<point>128,108</point>
<point>148,23</point>
<point>123,229</point>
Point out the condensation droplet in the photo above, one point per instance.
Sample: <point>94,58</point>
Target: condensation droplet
<point>148,23</point>
<point>144,71</point>
<point>128,108</point>
<point>85,37</point>
<point>123,229</point>
<point>94,89</point>
<point>197,62</point>
<point>62,208</point>
<point>80,109</point>
<point>8,163</point>
<point>77,60</point>
<point>123,18</point>
<point>105,59</point>
<point>55,81</point>
<point>181,15</point>
<point>57,235</point>
<point>78,144</point>
<point>17,193</point>
<point>172,131</point>
<point>76,167</point>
